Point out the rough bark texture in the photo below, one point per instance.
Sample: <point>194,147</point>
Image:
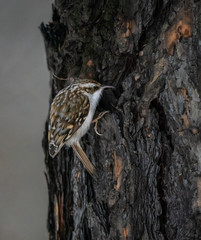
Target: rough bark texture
<point>149,157</point>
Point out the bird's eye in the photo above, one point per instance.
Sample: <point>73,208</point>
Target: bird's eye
<point>96,88</point>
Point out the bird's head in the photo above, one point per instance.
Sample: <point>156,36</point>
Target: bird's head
<point>90,87</point>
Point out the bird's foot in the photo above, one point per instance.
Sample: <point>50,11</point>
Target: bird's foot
<point>96,121</point>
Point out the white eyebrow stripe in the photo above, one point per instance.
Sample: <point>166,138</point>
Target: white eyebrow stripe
<point>88,85</point>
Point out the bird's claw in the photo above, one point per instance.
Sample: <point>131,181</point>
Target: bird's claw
<point>96,122</point>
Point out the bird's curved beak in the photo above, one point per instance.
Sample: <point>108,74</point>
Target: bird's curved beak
<point>107,87</point>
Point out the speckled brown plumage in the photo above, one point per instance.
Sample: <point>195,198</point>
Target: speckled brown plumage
<point>69,109</point>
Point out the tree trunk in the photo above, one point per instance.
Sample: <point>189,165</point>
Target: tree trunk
<point>149,156</point>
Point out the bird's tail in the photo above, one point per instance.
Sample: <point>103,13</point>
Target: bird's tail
<point>84,159</point>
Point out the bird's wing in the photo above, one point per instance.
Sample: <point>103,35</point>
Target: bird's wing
<point>68,111</point>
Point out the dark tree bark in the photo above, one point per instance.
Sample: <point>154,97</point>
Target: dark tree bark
<point>149,156</point>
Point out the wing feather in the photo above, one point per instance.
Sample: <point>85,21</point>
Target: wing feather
<point>69,110</point>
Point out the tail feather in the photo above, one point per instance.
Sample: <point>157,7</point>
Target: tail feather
<point>84,159</point>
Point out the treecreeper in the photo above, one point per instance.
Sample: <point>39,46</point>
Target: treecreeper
<point>71,114</point>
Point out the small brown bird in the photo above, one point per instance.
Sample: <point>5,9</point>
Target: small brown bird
<point>71,114</point>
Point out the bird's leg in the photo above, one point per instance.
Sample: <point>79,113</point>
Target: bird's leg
<point>96,121</point>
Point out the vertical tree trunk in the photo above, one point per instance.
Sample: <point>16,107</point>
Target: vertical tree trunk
<point>149,156</point>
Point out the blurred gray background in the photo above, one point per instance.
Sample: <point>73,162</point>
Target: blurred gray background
<point>24,93</point>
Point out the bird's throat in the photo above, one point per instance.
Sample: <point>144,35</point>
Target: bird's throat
<point>94,99</point>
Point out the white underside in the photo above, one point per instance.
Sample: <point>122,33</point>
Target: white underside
<point>93,99</point>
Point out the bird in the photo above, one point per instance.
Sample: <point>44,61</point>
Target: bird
<point>71,114</point>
